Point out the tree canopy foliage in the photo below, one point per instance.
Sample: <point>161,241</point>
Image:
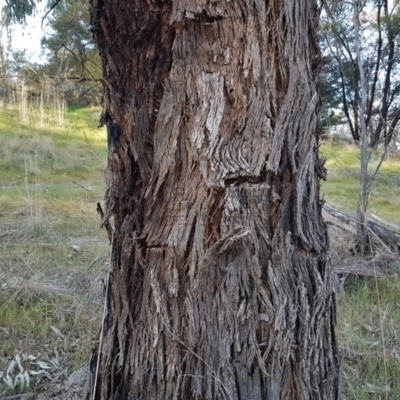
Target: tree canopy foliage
<point>71,45</point>
<point>18,10</point>
<point>73,56</point>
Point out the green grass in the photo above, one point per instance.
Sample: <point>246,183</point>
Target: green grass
<point>368,330</point>
<point>341,188</point>
<point>72,150</point>
<point>51,246</point>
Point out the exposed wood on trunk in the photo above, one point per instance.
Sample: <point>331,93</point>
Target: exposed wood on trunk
<point>349,223</point>
<point>220,286</point>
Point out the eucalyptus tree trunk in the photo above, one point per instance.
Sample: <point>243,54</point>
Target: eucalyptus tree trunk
<point>220,286</point>
<point>364,191</point>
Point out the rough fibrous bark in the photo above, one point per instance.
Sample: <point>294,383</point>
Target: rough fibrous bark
<point>220,287</point>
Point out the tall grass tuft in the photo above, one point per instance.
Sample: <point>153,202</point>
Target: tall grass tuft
<point>23,102</point>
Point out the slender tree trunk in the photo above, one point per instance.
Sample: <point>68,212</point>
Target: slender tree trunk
<point>364,191</point>
<point>220,286</point>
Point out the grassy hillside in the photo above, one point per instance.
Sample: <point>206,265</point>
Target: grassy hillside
<point>54,257</point>
<point>51,247</point>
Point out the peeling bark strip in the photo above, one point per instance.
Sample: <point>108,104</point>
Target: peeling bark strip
<point>220,287</point>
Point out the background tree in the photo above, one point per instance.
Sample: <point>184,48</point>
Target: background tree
<point>360,37</point>
<point>219,284</point>
<point>379,30</point>
<point>331,112</point>
<point>73,58</point>
<point>363,197</point>
<point>72,66</point>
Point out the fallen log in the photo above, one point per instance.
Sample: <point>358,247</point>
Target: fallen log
<point>375,268</point>
<point>385,222</point>
<point>348,223</point>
